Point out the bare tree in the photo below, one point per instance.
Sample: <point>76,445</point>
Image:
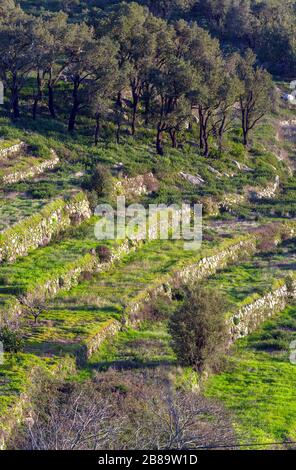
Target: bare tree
<point>34,306</point>
<point>183,420</point>
<point>121,411</point>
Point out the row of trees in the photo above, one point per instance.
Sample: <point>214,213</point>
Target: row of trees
<point>132,65</point>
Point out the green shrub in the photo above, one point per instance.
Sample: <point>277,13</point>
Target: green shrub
<point>43,190</point>
<point>12,340</point>
<point>198,329</point>
<point>101,181</point>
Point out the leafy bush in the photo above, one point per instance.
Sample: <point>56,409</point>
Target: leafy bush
<point>198,329</point>
<point>12,340</point>
<point>101,181</point>
<point>43,190</point>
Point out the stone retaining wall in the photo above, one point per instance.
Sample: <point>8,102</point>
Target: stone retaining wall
<point>250,316</point>
<point>13,150</point>
<point>30,171</point>
<point>39,229</point>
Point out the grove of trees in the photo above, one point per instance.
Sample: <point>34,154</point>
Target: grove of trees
<point>130,65</point>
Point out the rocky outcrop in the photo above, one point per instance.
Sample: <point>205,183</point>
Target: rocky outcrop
<point>137,186</point>
<point>265,193</point>
<point>195,180</point>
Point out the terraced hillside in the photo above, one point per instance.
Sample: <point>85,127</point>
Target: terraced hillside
<point>136,334</point>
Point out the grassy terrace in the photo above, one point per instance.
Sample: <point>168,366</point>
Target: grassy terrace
<point>15,384</point>
<point>75,317</point>
<point>15,375</point>
<point>17,208</point>
<point>242,282</point>
<point>259,382</point>
<point>78,315</point>
<point>148,346</point>
<point>7,143</point>
<point>45,263</point>
<point>282,206</point>
<point>19,164</point>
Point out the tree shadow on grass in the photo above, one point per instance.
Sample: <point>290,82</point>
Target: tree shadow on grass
<point>130,364</point>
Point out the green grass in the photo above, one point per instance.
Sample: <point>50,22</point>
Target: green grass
<point>6,144</point>
<point>259,383</point>
<point>149,346</point>
<point>16,376</point>
<point>76,316</point>
<point>241,282</point>
<point>14,210</point>
<point>138,157</point>
<point>284,205</point>
<point>48,262</point>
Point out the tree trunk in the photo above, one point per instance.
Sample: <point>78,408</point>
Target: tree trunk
<point>221,132</point>
<point>206,145</point>
<point>38,95</point>
<point>15,104</point>
<point>118,129</point>
<point>97,129</point>
<point>147,108</point>
<point>245,126</point>
<point>136,90</point>
<point>135,108</point>
<point>51,106</point>
<point>75,107</point>
<point>119,103</point>
<point>173,135</point>
<point>159,147</point>
<point>14,100</point>
<point>245,138</point>
<point>201,135</point>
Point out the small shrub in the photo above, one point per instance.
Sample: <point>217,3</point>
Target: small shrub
<point>101,181</point>
<point>104,253</point>
<point>43,190</point>
<point>12,340</point>
<point>268,236</point>
<point>85,276</point>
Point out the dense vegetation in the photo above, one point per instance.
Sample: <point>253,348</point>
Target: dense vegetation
<point>167,75</point>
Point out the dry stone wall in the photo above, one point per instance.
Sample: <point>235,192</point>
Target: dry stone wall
<point>30,171</point>
<point>39,229</point>
<point>12,150</point>
<point>250,316</point>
